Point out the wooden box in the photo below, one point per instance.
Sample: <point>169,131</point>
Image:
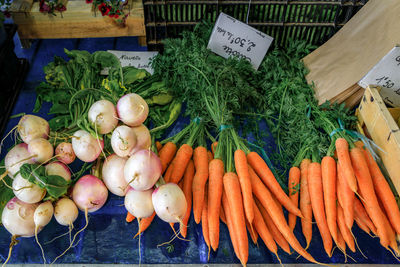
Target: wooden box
<point>78,21</point>
<point>379,123</point>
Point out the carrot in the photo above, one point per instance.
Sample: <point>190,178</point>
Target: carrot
<point>231,185</point>
<point>340,242</point>
<point>359,212</point>
<point>317,203</point>
<point>199,181</point>
<point>264,196</point>
<point>216,174</point>
<point>305,202</point>
<point>129,217</point>
<point>383,192</point>
<point>242,171</point>
<point>158,146</point>
<point>210,156</point>
<point>167,175</point>
<point>229,223</point>
<point>294,179</point>
<point>263,171</point>
<point>183,155</point>
<point>213,147</point>
<point>368,194</point>
<point>144,224</point>
<point>253,233</point>
<point>276,234</point>
<point>392,235</point>
<point>222,215</point>
<point>166,155</point>
<point>187,190</point>
<point>347,236</point>
<point>342,149</point>
<point>204,223</point>
<point>328,172</point>
<point>361,224</point>
<point>346,197</point>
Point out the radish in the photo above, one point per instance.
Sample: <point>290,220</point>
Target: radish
<point>86,147</point>
<point>65,212</point>
<point>42,216</point>
<point>89,193</point>
<point>65,153</point>
<point>169,203</point>
<point>123,140</point>
<point>142,170</point>
<point>113,175</point>
<point>41,150</point>
<point>143,138</point>
<point>16,157</point>
<point>103,116</point>
<point>139,203</point>
<point>58,168</point>
<point>31,127</point>
<point>27,191</point>
<point>132,109</point>
<point>17,218</point>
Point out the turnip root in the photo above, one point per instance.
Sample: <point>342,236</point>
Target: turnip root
<point>31,127</point>
<point>132,109</point>
<point>42,216</point>
<point>27,191</point>
<point>65,211</point>
<point>139,203</point>
<point>41,150</point>
<point>58,168</point>
<point>123,140</point>
<point>169,203</point>
<point>113,175</point>
<point>16,157</point>
<point>142,170</point>
<point>86,147</point>
<point>89,193</point>
<point>65,153</point>
<point>143,138</point>
<point>103,116</point>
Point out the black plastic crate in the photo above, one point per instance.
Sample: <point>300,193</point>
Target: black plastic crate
<point>312,20</point>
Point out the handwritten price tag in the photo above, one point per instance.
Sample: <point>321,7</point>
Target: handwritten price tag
<point>386,74</point>
<point>139,60</point>
<point>231,37</point>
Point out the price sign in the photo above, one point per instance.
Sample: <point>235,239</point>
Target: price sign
<point>231,37</point>
<point>387,75</point>
<point>139,60</point>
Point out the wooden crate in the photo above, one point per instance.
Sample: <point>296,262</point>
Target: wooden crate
<point>379,123</point>
<point>78,21</point>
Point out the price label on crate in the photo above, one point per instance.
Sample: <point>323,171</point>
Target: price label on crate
<point>231,37</point>
<point>139,60</point>
<point>387,75</point>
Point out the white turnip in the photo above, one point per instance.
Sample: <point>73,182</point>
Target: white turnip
<point>27,191</point>
<point>113,175</point>
<point>132,109</point>
<point>58,168</point>
<point>103,116</point>
<point>139,203</point>
<point>143,138</point>
<point>86,147</point>
<point>65,211</point>
<point>42,216</point>
<point>89,193</point>
<point>65,153</point>
<point>41,150</point>
<point>123,140</point>
<point>16,157</point>
<point>31,127</point>
<point>142,170</point>
<point>169,203</point>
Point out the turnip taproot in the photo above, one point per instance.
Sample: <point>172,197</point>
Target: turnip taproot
<point>16,157</point>
<point>132,109</point>
<point>143,138</point>
<point>65,153</point>
<point>123,140</point>
<point>27,191</point>
<point>169,203</point>
<point>103,116</point>
<point>86,147</point>
<point>58,168</point>
<point>31,127</point>
<point>139,203</point>
<point>89,193</point>
<point>113,175</point>
<point>42,216</point>
<point>41,150</point>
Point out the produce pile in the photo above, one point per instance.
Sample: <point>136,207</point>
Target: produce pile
<point>215,167</point>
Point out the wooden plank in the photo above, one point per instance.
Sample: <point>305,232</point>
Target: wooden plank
<point>20,6</point>
<point>384,131</point>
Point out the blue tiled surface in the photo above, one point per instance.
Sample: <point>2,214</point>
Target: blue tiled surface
<point>108,238</point>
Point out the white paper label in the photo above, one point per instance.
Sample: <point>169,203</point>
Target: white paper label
<point>231,37</point>
<point>140,60</point>
<point>387,75</point>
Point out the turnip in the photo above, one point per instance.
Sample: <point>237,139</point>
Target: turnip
<point>86,147</point>
<point>17,218</point>
<point>31,127</point>
<point>27,191</point>
<point>142,170</point>
<point>89,193</point>
<point>143,138</point>
<point>113,175</point>
<point>65,153</point>
<point>58,168</point>
<point>139,203</point>
<point>169,203</point>
<point>103,116</point>
<point>41,150</point>
<point>42,216</point>
<point>15,158</point>
<point>123,140</point>
<point>132,109</point>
